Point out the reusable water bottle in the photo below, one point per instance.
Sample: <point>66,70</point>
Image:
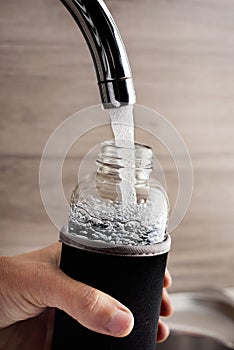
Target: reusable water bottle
<point>116,240</point>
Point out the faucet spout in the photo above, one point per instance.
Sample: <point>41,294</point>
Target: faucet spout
<point>107,49</point>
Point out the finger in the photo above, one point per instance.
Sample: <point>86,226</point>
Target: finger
<point>166,304</point>
<point>167,279</point>
<point>89,306</point>
<point>163,331</point>
<point>50,254</point>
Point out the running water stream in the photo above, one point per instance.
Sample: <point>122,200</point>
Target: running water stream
<point>122,123</point>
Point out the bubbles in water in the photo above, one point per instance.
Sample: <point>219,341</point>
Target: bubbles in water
<point>112,223</point>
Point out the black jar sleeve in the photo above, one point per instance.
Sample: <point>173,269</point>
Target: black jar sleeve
<point>136,281</point>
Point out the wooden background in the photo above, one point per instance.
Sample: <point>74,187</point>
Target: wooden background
<point>182,57</point>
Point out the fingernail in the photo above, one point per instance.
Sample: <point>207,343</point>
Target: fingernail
<point>121,323</point>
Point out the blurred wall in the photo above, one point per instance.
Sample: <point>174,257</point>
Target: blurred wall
<point>182,57</point>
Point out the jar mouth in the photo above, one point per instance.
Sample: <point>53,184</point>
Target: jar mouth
<point>140,156</point>
<point>137,146</point>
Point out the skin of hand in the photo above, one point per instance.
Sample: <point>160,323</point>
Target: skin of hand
<point>32,283</point>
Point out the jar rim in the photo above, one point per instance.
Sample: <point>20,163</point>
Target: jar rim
<point>137,145</point>
<point>140,157</point>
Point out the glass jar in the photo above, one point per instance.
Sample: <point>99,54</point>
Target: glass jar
<point>120,203</point>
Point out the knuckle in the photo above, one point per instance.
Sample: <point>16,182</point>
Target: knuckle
<point>90,300</point>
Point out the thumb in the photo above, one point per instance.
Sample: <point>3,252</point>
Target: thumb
<point>92,308</point>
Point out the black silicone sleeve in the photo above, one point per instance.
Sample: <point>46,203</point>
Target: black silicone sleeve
<point>135,281</point>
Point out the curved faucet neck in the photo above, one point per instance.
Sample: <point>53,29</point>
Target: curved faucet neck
<point>107,49</point>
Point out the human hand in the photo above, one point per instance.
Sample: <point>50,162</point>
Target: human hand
<point>32,282</point>
<point>166,309</point>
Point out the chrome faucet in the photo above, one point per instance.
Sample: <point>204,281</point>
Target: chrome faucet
<point>107,49</point>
